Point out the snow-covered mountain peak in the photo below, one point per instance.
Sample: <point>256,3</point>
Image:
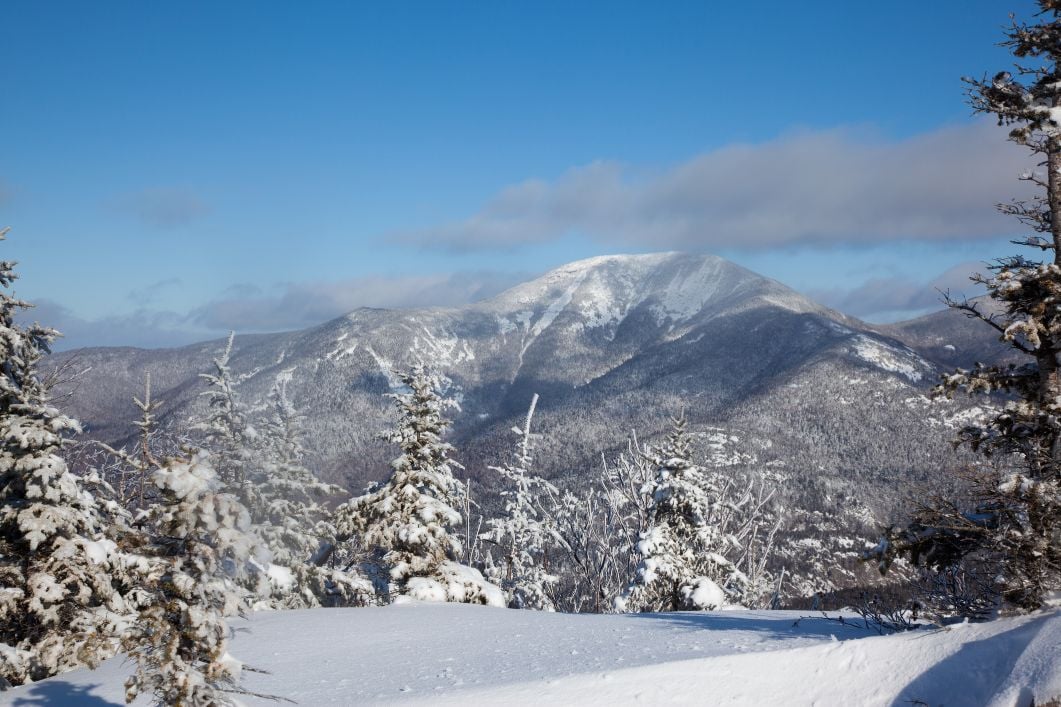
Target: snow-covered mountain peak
<point>674,287</point>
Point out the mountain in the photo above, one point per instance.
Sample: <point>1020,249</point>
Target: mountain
<point>835,408</point>
<point>952,339</point>
<point>584,328</point>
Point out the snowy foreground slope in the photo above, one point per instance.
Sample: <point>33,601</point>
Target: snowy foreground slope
<point>459,654</point>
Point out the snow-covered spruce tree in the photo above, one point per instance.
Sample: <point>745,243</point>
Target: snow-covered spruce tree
<point>60,585</point>
<point>682,565</point>
<point>147,425</point>
<point>521,534</point>
<point>225,430</point>
<point>232,443</point>
<point>202,543</point>
<point>295,524</point>
<point>408,520</point>
<point>1011,528</point>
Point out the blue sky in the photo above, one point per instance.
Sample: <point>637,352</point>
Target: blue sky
<point>173,170</point>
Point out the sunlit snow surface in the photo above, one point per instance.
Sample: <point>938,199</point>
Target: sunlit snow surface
<point>458,654</point>
<point>891,359</point>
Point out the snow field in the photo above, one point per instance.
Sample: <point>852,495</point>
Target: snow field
<point>419,653</point>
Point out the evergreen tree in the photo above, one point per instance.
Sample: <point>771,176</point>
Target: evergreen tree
<point>202,543</point>
<point>522,534</point>
<point>60,576</point>
<point>408,520</point>
<point>682,565</point>
<point>146,426</point>
<point>225,430</point>
<point>295,524</point>
<point>1010,528</point>
<point>232,441</point>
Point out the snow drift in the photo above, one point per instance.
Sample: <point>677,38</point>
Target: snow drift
<point>460,654</point>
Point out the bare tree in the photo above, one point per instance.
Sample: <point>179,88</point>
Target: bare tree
<point>521,533</point>
<point>130,470</point>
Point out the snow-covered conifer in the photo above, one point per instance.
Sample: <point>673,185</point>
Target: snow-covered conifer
<point>295,524</point>
<point>60,587</point>
<point>232,443</point>
<point>180,638</point>
<point>1010,533</point>
<point>682,565</point>
<point>521,534</point>
<point>409,518</point>
<point>146,426</point>
<point>226,432</point>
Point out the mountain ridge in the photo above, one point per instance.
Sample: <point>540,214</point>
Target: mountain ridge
<point>611,344</point>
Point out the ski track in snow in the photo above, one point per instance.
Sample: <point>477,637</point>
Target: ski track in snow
<point>458,654</point>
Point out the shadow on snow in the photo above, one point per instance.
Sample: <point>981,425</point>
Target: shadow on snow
<point>973,674</point>
<point>794,626</point>
<point>57,692</point>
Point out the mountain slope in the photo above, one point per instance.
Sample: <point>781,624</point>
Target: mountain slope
<point>953,339</point>
<point>611,344</point>
<point>595,331</point>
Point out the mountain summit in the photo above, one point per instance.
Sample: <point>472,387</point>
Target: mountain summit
<point>673,287</point>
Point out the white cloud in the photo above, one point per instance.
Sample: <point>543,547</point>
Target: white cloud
<point>893,298</point>
<point>249,308</point>
<point>809,188</point>
<point>300,305</point>
<point>143,328</point>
